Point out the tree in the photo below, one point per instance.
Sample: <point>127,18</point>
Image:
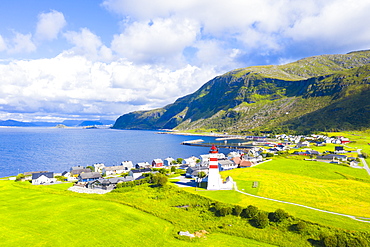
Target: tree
<point>91,168</point>
<point>237,210</point>
<point>330,241</point>
<point>202,174</point>
<point>225,211</point>
<point>159,179</point>
<point>250,211</point>
<point>261,220</point>
<point>179,160</point>
<point>19,177</point>
<point>278,216</point>
<point>173,169</point>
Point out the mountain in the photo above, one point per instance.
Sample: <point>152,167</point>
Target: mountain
<point>69,123</point>
<point>327,92</point>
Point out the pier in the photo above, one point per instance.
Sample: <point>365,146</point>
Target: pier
<point>219,145</point>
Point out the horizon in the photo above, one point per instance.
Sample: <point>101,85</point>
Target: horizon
<point>68,60</point>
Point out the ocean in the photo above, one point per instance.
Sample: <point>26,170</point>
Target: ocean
<point>58,149</point>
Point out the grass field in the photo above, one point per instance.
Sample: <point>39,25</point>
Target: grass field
<point>50,216</point>
<point>321,185</point>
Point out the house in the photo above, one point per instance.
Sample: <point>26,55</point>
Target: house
<point>28,175</point>
<point>142,165</point>
<point>332,157</point>
<point>77,171</point>
<point>89,176</point>
<point>77,167</point>
<point>245,163</point>
<point>43,178</point>
<point>127,165</point>
<point>169,161</point>
<point>108,184</point>
<point>225,164</point>
<point>135,173</point>
<point>339,149</point>
<point>191,161</point>
<point>302,144</point>
<point>69,176</point>
<point>157,163</point>
<point>113,170</point>
<point>194,171</point>
<point>98,167</point>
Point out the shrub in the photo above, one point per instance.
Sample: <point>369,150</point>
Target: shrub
<point>330,241</point>
<point>19,177</point>
<point>261,220</point>
<point>173,168</point>
<point>225,211</point>
<point>250,211</point>
<point>278,216</point>
<point>237,210</point>
<point>300,226</point>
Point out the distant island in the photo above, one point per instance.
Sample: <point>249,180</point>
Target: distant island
<point>65,123</point>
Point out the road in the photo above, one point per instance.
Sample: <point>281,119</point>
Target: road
<point>366,167</point>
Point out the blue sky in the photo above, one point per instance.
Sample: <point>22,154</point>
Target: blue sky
<point>93,59</point>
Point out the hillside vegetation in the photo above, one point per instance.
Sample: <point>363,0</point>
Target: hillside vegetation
<point>321,93</point>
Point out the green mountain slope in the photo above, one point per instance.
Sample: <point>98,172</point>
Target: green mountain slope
<point>317,93</point>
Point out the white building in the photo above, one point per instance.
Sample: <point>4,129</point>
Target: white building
<point>43,178</point>
<point>214,180</point>
<point>98,167</point>
<point>127,165</point>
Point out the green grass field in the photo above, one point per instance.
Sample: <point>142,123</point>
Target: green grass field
<point>51,216</point>
<point>321,185</point>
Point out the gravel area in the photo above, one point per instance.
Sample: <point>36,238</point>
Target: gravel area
<point>87,191</point>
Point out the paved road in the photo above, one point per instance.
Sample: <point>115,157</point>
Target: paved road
<point>304,206</point>
<point>366,167</point>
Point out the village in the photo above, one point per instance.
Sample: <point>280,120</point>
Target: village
<point>204,170</point>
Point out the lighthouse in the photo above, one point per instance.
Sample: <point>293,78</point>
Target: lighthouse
<point>214,177</point>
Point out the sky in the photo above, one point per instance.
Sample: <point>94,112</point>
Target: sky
<point>99,59</point>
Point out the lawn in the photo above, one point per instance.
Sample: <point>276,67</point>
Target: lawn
<point>316,184</point>
<point>51,216</point>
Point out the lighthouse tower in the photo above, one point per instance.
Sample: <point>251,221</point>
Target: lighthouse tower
<point>214,177</point>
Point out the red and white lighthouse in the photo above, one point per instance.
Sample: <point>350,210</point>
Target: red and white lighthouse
<point>214,177</point>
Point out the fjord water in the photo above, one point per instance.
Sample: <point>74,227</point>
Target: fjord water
<point>57,149</point>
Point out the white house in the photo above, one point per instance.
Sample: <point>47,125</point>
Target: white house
<point>98,167</point>
<point>142,165</point>
<point>169,161</point>
<point>43,178</point>
<point>191,161</point>
<point>127,165</point>
<point>113,170</point>
<point>138,172</point>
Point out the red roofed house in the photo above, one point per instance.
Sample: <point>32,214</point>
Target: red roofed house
<point>157,163</point>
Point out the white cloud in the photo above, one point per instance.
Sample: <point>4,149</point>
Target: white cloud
<point>2,44</point>
<point>88,44</point>
<point>157,41</point>
<point>338,23</point>
<point>74,85</point>
<point>49,25</point>
<point>22,43</point>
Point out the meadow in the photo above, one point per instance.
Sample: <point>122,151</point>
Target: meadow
<point>53,216</point>
<point>321,185</point>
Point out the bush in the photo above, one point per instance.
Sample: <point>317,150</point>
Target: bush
<point>237,210</point>
<point>173,169</point>
<point>330,241</point>
<point>225,211</point>
<point>19,177</point>
<point>300,226</point>
<point>250,211</point>
<point>278,216</point>
<point>261,220</point>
